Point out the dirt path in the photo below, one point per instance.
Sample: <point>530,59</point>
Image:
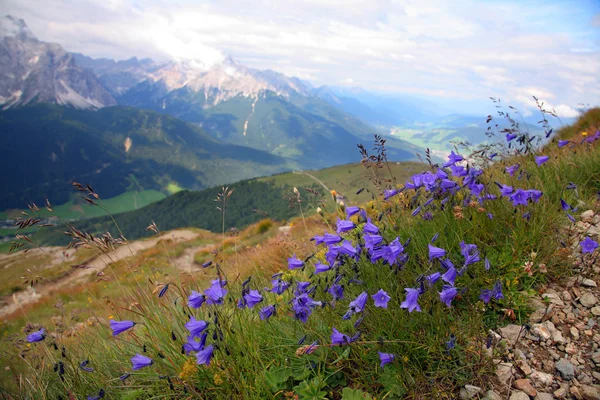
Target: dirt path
<point>95,265</point>
<point>314,178</point>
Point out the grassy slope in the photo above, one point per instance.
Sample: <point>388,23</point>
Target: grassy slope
<point>266,195</point>
<point>256,358</point>
<point>46,146</point>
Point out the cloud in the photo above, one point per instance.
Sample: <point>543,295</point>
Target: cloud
<point>461,52</point>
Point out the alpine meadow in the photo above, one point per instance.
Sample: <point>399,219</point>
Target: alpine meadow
<point>300,200</point>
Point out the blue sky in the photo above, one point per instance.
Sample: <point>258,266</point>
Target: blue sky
<point>457,52</point>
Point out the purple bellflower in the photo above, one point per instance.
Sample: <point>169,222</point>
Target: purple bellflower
<point>381,299</point>
<point>37,336</point>
<point>139,361</point>
<point>120,326</point>
<point>412,298</point>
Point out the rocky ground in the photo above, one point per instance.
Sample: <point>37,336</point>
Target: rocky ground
<point>556,355</point>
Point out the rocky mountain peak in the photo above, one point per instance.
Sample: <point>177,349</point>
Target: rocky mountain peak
<point>14,27</point>
<point>32,71</point>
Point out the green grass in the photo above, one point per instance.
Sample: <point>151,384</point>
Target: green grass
<point>345,179</point>
<point>263,359</point>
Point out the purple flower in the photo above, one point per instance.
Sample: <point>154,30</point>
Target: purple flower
<point>387,194</point>
<point>506,190</point>
<point>196,326</point>
<point>336,291</point>
<point>350,211</point>
<point>347,249</point>
<point>193,345</point>
<point>433,278</point>
<point>450,275</point>
<point>565,206</point>
<point>344,225</point>
<point>381,298</point>
<point>452,159</point>
<point>120,326</point>
<point>139,361</point>
<point>279,286</point>
<point>267,312</point>
<point>512,169</point>
<point>486,295</point>
<point>458,170</point>
<point>412,298</point>
<point>37,336</point>
<point>562,143</point>
<point>339,338</point>
<point>539,160</point>
<point>252,298</point>
<point>320,267</point>
<point>204,356</point>
<point>215,293</point>
<point>436,252</point>
<point>416,211</point>
<point>510,136</point>
<point>534,195</point>
<point>451,342</point>
<point>84,367</point>
<point>358,305</point>
<point>301,287</point>
<point>588,245</point>
<point>469,252</point>
<point>371,241</point>
<point>294,263</point>
<point>448,294</point>
<point>497,291</point>
<point>519,197</point>
<point>370,228</point>
<point>386,358</point>
<point>195,299</point>
<point>572,218</point>
<point>330,239</point>
<point>487,264</point>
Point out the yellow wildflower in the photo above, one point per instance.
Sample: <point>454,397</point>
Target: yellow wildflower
<point>217,379</point>
<point>189,368</point>
<point>583,133</point>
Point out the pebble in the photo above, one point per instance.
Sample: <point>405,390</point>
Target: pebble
<point>491,395</point>
<point>553,298</point>
<point>574,333</point>
<point>544,396</point>
<point>571,348</point>
<point>565,368</point>
<point>504,371</point>
<point>525,386</point>
<point>541,379</point>
<point>511,332</point>
<point>561,392</point>
<point>595,311</point>
<point>574,390</point>
<point>589,392</point>
<point>588,300</point>
<point>523,366</point>
<point>541,331</point>
<point>518,395</point>
<point>589,283</point>
<point>469,391</point>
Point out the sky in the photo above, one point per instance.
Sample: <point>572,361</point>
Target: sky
<point>458,53</point>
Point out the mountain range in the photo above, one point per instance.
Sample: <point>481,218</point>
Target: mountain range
<point>141,123</point>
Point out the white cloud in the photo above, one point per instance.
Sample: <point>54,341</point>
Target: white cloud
<point>463,51</point>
